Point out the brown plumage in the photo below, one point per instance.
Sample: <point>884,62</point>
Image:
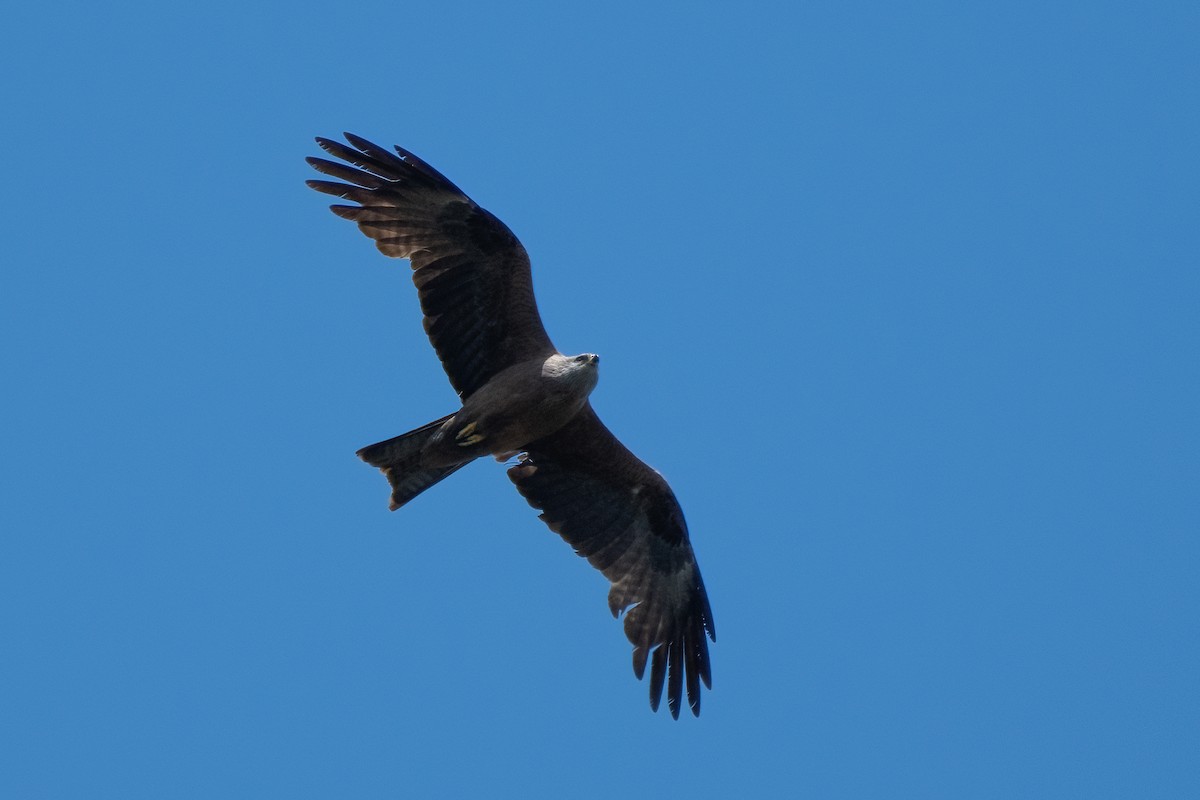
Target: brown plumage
<point>521,396</point>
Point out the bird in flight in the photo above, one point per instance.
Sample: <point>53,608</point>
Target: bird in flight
<point>523,399</point>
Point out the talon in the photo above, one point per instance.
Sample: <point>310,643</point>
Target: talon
<point>467,436</point>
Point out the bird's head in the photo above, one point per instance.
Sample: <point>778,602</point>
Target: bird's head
<point>580,372</point>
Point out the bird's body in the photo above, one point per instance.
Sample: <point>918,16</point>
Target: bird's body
<point>521,396</point>
<point>521,404</point>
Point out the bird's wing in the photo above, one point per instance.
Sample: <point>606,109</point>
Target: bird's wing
<point>623,517</point>
<point>471,272</point>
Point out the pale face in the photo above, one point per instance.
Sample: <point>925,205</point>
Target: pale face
<point>581,369</point>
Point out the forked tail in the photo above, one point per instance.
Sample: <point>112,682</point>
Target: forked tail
<point>400,460</point>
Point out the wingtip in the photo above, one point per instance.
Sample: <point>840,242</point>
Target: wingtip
<point>362,144</point>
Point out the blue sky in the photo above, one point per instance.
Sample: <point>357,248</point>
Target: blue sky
<point>902,299</point>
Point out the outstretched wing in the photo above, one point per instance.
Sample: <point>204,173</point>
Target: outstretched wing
<point>471,272</point>
<point>623,517</point>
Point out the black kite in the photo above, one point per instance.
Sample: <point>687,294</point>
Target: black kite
<point>521,397</point>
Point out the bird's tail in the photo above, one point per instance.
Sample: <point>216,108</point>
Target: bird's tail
<point>400,460</point>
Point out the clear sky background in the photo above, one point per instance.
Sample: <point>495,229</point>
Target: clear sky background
<point>903,299</point>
